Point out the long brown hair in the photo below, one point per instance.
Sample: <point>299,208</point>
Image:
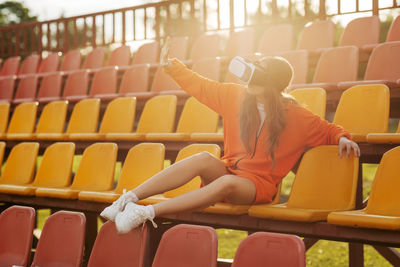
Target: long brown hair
<point>280,74</point>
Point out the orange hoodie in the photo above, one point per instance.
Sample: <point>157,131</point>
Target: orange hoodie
<point>303,129</point>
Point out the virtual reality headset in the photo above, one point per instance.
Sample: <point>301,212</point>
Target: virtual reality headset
<point>248,72</point>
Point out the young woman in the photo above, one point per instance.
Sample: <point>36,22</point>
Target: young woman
<point>265,133</point>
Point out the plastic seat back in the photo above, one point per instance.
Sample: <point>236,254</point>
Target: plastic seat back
<point>112,249</point>
<point>4,113</point>
<point>163,82</point>
<point>76,84</point>
<point>119,116</point>
<point>23,118</point>
<point>49,64</point>
<point>314,99</point>
<point>324,181</point>
<point>120,56</point>
<point>52,119</point>
<point>147,54</point>
<point>16,232</point>
<point>318,34</point>
<point>383,63</point>
<point>158,115</point>
<point>205,46</point>
<point>27,87</point>
<point>10,66</point>
<point>7,85</point>
<point>299,61</point>
<point>275,39</point>
<point>72,61</point>
<point>337,64</point>
<point>187,245</point>
<point>394,31</point>
<point>95,59</point>
<point>135,80</point>
<point>20,165</point>
<point>50,86</point>
<point>209,68</point>
<point>84,117</point>
<point>364,109</point>
<point>361,31</point>
<point>96,169</point>
<point>29,65</point>
<point>179,47</point>
<point>62,240</point>
<point>104,82</point>
<point>188,151</point>
<point>240,43</point>
<point>270,249</point>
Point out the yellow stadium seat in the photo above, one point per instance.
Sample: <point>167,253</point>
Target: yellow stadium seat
<point>2,149</point>
<point>314,99</point>
<point>142,162</point>
<point>364,109</point>
<point>382,210</point>
<point>385,138</point>
<point>54,171</point>
<point>158,116</point>
<point>84,118</point>
<point>95,173</point>
<point>207,137</point>
<point>323,183</point>
<point>52,120</point>
<point>195,118</point>
<point>23,121</point>
<point>4,113</point>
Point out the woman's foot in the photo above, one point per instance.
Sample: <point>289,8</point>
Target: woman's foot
<point>118,205</point>
<point>133,216</point>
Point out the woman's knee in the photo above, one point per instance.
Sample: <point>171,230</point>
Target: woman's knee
<point>226,184</point>
<point>207,160</point>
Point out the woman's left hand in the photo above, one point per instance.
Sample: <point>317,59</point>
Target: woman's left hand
<point>349,145</point>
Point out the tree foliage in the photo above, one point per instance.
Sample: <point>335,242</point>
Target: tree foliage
<point>12,12</point>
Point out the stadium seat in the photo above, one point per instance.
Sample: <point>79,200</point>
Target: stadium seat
<point>54,171</point>
<point>23,120</point>
<point>187,245</point>
<point>62,240</point>
<point>120,56</point>
<point>26,90</point>
<point>394,31</point>
<point>142,162</point>
<point>314,99</point>
<point>384,138</point>
<point>10,66</point>
<point>317,36</point>
<point>382,210</point>
<point>195,118</point>
<point>7,85</point>
<point>50,88</point>
<point>205,46</point>
<point>2,150</point>
<point>95,59</point>
<point>323,183</point>
<point>270,249</point>
<point>276,39</point>
<point>104,83</point>
<point>179,47</point>
<point>209,68</point>
<point>191,185</point>
<point>76,86</point>
<point>49,64</point>
<point>364,109</point>
<point>16,233</point>
<point>135,80</point>
<point>112,249</point>
<point>4,113</point>
<point>164,83</point>
<point>240,43</point>
<point>52,120</point>
<point>158,116</point>
<point>71,61</point>
<point>29,65</point>
<point>95,173</point>
<point>299,61</point>
<point>147,54</point>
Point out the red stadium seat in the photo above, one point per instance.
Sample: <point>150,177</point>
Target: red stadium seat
<point>26,90</point>
<point>316,36</point>
<point>120,56</point>
<point>276,39</point>
<point>95,59</point>
<point>76,86</point>
<point>240,43</point>
<point>49,64</point>
<point>299,61</point>
<point>50,88</point>
<point>205,46</point>
<point>147,54</point>
<point>72,61</point>
<point>394,31</point>
<point>104,83</point>
<point>10,66</point>
<point>135,80</point>
<point>29,65</point>
<point>7,85</point>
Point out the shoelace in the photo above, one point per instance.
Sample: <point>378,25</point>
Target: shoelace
<point>142,214</point>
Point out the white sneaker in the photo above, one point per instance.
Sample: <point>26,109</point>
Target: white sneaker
<point>118,205</point>
<point>132,216</point>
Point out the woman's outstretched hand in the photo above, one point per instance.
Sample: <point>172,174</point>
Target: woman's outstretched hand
<point>164,60</point>
<point>349,145</point>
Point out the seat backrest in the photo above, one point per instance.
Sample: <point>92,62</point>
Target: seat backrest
<point>50,85</point>
<point>20,165</point>
<point>10,66</point>
<point>72,61</point>
<point>270,249</point>
<point>394,31</point>
<point>52,119</point>
<point>338,64</point>
<point>84,117</point>
<point>158,115</point>
<point>135,80</point>
<point>163,82</point>
<point>197,118</point>
<point>205,46</point>
<point>299,61</point>
<point>16,233</point>
<point>23,118</point>
<point>187,245</point>
<point>112,249</point>
<point>56,166</point>
<point>209,68</point>
<point>27,87</point>
<point>120,56</point>
<point>364,109</point>
<point>142,162</point>
<point>325,181</point>
<point>383,64</point>
<point>62,240</point>
<point>317,34</point>
<point>147,54</point>
<point>275,39</point>
<point>188,151</point>
<point>95,59</point>
<point>2,150</point>
<point>77,83</point>
<point>361,31</point>
<point>4,113</point>
<point>240,43</point>
<point>7,85</point>
<point>104,82</point>
<point>29,65</point>
<point>96,169</point>
<point>119,116</point>
<point>49,64</point>
<point>179,47</point>
<point>314,99</point>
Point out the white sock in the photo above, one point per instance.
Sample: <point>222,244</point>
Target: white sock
<point>150,210</point>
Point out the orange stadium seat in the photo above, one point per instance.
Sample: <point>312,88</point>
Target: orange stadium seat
<point>7,85</point>
<point>384,138</point>
<point>95,59</point>
<point>316,36</point>
<point>299,61</point>
<point>314,99</point>
<point>4,114</point>
<point>147,54</point>
<point>276,39</point>
<point>104,83</point>
<point>16,233</point>
<point>76,86</point>
<point>26,90</point>
<point>120,56</point>
<point>394,31</point>
<point>50,88</point>
<point>205,46</point>
<point>23,120</point>
<point>240,43</point>
<point>10,66</point>
<point>71,61</point>
<point>187,245</point>
<point>52,120</point>
<point>49,64</point>
<point>135,80</point>
<point>2,150</point>
<point>29,65</point>
<point>179,47</point>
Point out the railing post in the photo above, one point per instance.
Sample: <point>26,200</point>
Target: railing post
<point>231,16</point>
<point>375,7</point>
<point>40,38</point>
<point>157,25</point>
<point>17,42</point>
<point>94,28</point>
<point>66,37</point>
<point>306,13</point>
<point>322,10</point>
<point>123,27</point>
